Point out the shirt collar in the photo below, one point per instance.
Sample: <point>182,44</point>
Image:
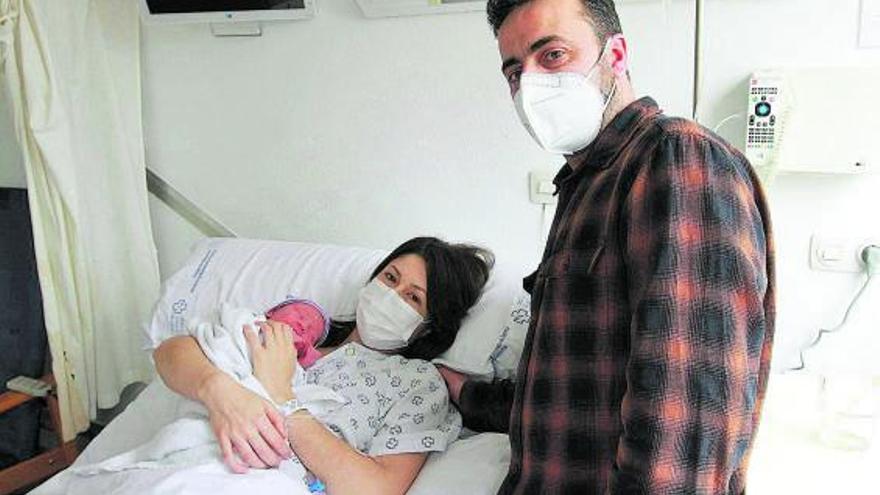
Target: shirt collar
<point>611,139</point>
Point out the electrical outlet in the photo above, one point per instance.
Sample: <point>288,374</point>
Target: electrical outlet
<point>542,189</point>
<point>839,254</point>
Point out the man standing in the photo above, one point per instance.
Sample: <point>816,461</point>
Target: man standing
<point>648,352</point>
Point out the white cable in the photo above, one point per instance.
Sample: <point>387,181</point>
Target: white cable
<point>726,120</point>
<point>546,223</point>
<point>871,257</point>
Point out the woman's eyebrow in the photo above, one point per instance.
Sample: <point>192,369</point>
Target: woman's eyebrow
<point>414,286</point>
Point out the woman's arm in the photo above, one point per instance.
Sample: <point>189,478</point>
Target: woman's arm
<point>184,367</point>
<point>344,470</point>
<point>244,423</point>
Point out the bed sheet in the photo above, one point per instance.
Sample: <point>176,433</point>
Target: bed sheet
<point>475,465</point>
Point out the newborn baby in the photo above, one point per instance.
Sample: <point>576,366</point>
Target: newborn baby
<point>310,326</point>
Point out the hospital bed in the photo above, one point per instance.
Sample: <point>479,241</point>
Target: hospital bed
<point>258,274</point>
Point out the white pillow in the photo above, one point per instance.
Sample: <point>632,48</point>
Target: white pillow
<point>479,335</point>
<point>505,358</point>
<point>475,466</point>
<point>258,274</point>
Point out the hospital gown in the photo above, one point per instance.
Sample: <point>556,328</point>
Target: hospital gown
<point>393,405</point>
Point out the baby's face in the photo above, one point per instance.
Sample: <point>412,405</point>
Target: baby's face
<point>305,320</point>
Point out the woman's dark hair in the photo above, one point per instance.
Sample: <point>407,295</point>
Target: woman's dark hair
<point>601,13</point>
<point>456,275</point>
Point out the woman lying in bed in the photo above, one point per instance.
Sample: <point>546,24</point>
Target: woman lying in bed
<point>396,411</point>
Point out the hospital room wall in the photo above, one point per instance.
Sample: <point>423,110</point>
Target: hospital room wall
<point>343,129</point>
<point>361,131</point>
<point>746,35</point>
<point>246,164</point>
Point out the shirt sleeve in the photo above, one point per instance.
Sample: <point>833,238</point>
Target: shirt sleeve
<point>422,419</point>
<point>485,407</point>
<point>696,251</point>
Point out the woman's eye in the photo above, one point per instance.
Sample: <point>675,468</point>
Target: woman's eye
<point>389,276</point>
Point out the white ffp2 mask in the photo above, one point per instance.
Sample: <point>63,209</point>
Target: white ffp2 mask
<point>562,111</point>
<point>385,322</point>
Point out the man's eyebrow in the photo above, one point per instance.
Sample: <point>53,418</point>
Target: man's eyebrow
<point>507,63</point>
<point>537,45</point>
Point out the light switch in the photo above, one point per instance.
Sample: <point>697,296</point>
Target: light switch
<point>541,188</point>
<point>869,27</point>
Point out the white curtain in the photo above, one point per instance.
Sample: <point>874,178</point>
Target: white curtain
<point>72,70</point>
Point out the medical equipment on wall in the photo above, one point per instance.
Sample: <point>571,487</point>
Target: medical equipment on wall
<point>822,120</point>
<point>764,126</point>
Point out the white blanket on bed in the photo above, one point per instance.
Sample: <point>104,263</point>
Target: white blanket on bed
<point>184,457</point>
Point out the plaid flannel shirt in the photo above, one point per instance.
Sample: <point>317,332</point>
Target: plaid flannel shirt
<point>648,352</point>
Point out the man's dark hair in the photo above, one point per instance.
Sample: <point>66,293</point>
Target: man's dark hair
<point>601,14</point>
<point>456,275</point>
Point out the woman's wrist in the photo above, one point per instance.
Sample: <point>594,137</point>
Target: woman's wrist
<point>210,386</point>
<point>281,396</point>
<point>296,419</point>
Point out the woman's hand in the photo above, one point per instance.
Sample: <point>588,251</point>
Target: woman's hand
<point>274,359</point>
<point>250,430</point>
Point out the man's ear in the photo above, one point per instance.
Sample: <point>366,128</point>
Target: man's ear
<point>619,55</point>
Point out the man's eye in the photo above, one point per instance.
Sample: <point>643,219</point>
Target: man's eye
<point>554,55</point>
<point>389,276</point>
<point>513,77</point>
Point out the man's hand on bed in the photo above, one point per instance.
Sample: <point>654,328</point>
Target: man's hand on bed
<point>274,358</point>
<point>249,429</point>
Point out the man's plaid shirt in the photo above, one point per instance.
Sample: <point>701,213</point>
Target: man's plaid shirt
<point>648,353</point>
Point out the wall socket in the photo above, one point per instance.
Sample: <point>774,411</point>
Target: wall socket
<point>839,254</point>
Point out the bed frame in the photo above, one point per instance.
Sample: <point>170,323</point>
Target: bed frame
<point>34,470</point>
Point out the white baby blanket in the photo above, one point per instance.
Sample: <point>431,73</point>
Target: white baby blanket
<point>184,456</point>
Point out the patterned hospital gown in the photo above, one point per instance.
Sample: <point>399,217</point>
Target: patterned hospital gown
<point>393,405</point>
